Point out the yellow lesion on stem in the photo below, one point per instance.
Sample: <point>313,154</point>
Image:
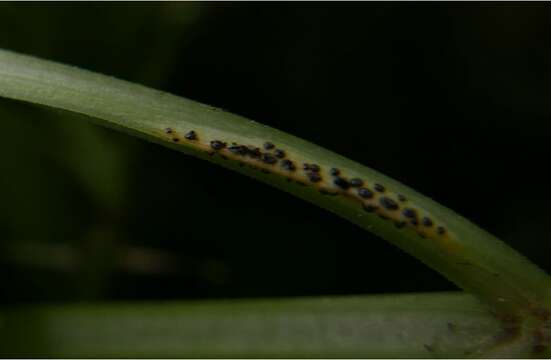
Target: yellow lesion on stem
<point>381,201</point>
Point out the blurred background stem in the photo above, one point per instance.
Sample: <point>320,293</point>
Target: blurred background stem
<point>421,325</point>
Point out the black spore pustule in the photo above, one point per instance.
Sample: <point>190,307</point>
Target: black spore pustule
<point>269,159</point>
<point>311,167</point>
<point>388,203</point>
<point>238,149</point>
<point>254,152</point>
<point>409,213</point>
<point>341,182</point>
<point>191,135</point>
<point>217,144</point>
<point>288,165</point>
<point>380,188</point>
<point>365,193</point>
<point>313,176</point>
<point>279,153</point>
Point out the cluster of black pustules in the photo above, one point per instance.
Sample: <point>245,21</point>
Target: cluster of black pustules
<point>273,156</point>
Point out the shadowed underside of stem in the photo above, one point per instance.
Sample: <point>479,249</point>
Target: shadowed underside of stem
<point>467,255</point>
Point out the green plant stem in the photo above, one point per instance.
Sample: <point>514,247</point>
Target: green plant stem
<point>467,255</point>
<point>417,325</point>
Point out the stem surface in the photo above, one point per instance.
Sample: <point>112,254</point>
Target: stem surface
<point>467,255</point>
<point>417,325</point>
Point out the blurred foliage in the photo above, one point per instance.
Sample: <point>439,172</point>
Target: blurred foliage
<point>433,94</point>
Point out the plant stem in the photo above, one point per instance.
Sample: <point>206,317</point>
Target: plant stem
<point>417,325</point>
<point>467,255</point>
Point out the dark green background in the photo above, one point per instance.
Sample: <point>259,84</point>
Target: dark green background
<point>451,99</point>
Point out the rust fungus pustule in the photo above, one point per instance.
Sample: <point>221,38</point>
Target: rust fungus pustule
<point>341,182</point>
<point>254,152</point>
<point>380,188</point>
<point>388,203</point>
<point>279,153</point>
<point>169,130</point>
<point>237,149</point>
<point>268,145</point>
<point>217,144</point>
<point>427,222</point>
<point>288,165</point>
<point>356,182</point>
<point>269,159</point>
<point>409,213</point>
<point>311,167</point>
<point>313,177</point>
<point>335,172</point>
<point>191,135</point>
<point>365,193</point>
